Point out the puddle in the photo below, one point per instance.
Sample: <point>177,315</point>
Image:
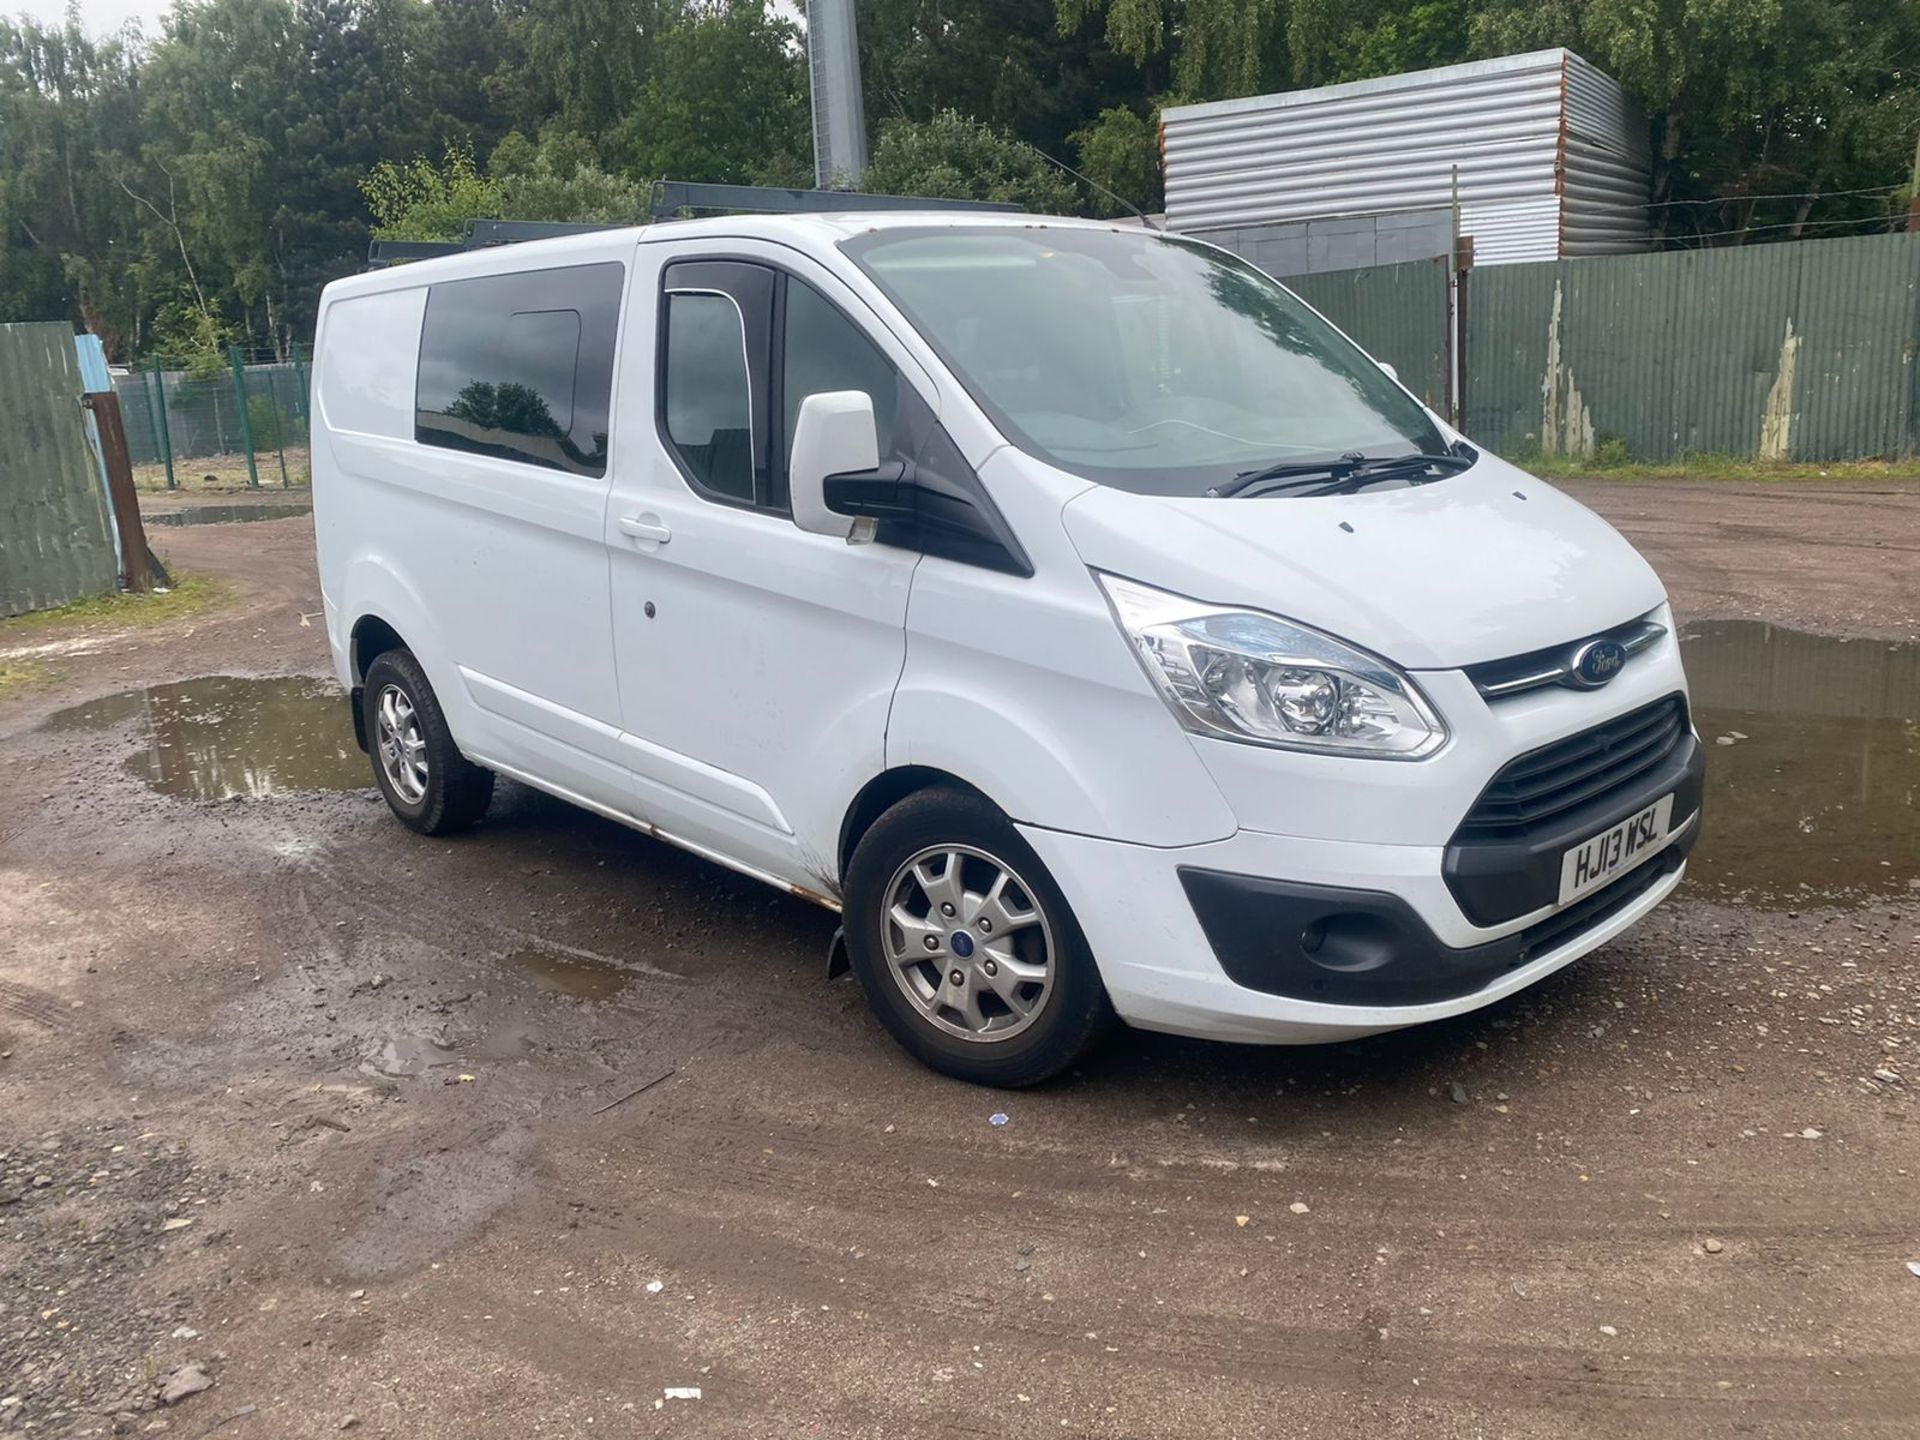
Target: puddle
<point>1820,802</point>
<point>227,514</point>
<point>567,975</point>
<point>411,1055</point>
<point>220,736</point>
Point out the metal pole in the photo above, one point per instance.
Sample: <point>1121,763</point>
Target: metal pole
<point>1456,401</point>
<point>246,425</point>
<point>1913,193</point>
<point>839,115</point>
<point>137,565</point>
<point>279,430</point>
<point>153,425</point>
<point>160,410</point>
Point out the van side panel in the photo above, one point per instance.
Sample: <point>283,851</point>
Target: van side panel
<point>494,571</point>
<point>365,350</point>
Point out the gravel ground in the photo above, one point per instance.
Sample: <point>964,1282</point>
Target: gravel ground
<point>309,1125</point>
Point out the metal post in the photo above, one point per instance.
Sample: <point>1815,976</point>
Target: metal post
<point>839,116</point>
<point>303,395</point>
<point>1456,407</point>
<point>136,563</point>
<point>279,430</point>
<point>160,410</point>
<point>1913,193</point>
<point>246,425</point>
<point>153,425</point>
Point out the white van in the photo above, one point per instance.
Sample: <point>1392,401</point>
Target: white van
<point>1070,607</point>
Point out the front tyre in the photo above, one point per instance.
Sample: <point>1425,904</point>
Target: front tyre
<point>429,784</point>
<point>964,946</point>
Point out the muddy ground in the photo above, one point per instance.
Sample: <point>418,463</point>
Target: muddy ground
<point>298,1104</point>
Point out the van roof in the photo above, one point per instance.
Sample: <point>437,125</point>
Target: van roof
<point>823,228</point>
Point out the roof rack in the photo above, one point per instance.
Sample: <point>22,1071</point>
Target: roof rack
<point>670,199</point>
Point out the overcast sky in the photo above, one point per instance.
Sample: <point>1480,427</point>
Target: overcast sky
<point>105,16</point>
<point>99,16</point>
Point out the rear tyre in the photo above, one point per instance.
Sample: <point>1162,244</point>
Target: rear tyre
<point>429,784</point>
<point>965,947</point>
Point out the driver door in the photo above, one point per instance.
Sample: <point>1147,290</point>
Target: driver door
<point>757,663</point>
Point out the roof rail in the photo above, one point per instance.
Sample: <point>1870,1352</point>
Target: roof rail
<point>668,199</point>
<point>382,253</point>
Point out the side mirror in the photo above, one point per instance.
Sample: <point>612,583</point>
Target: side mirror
<point>1386,368</point>
<point>834,435</point>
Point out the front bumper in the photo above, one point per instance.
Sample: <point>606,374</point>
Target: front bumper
<point>1364,947</point>
<point>1408,955</point>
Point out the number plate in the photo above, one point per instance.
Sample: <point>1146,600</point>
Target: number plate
<point>1611,853</point>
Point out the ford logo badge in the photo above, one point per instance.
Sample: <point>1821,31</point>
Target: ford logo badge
<point>1596,662</point>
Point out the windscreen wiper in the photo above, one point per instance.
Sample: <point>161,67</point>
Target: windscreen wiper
<point>1397,467</point>
<point>1290,471</point>
<point>1340,476</point>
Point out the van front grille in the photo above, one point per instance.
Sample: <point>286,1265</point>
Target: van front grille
<point>1580,770</point>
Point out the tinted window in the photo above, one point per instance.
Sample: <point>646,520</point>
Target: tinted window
<point>824,350</point>
<point>521,366</point>
<point>709,399</point>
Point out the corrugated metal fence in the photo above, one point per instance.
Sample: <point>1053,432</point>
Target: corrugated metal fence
<point>1804,351</point>
<point>1396,313</point>
<point>56,537</point>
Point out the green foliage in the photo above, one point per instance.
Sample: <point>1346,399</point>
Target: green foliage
<point>180,190</point>
<point>560,179</point>
<point>951,157</point>
<point>1120,152</point>
<point>726,101</point>
<point>557,179</point>
<point>423,201</point>
<point>1744,97</point>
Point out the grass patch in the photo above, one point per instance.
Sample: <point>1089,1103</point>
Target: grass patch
<point>190,594</point>
<point>224,474</point>
<point>1721,467</point>
<point>18,676</point>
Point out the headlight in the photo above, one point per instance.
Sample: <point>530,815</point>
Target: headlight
<point>1244,675</point>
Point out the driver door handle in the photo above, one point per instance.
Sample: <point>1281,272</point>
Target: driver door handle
<point>645,527</point>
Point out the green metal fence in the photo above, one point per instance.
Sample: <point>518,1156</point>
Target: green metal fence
<point>1396,313</point>
<point>245,424</point>
<point>1807,351</point>
<point>1784,352</point>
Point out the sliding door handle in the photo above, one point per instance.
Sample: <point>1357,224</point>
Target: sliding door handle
<point>645,527</point>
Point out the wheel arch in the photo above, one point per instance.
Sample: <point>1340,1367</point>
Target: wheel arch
<point>887,789</point>
<point>369,639</point>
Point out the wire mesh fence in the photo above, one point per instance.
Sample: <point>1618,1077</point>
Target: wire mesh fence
<point>243,425</point>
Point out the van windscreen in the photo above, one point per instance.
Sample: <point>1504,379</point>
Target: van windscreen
<point>1139,360</point>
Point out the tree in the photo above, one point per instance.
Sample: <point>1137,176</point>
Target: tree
<point>420,200</point>
<point>954,158</point>
<point>557,179</point>
<point>725,100</point>
<point>1006,63</point>
<point>1120,152</point>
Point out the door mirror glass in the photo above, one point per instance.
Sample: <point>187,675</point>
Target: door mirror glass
<point>834,434</point>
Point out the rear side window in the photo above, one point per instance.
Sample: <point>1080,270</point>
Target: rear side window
<point>521,366</point>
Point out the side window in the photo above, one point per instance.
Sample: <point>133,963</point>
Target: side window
<point>824,350</point>
<point>709,395</point>
<point>521,366</point>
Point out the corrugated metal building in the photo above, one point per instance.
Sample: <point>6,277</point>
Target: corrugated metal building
<point>1552,163</point>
